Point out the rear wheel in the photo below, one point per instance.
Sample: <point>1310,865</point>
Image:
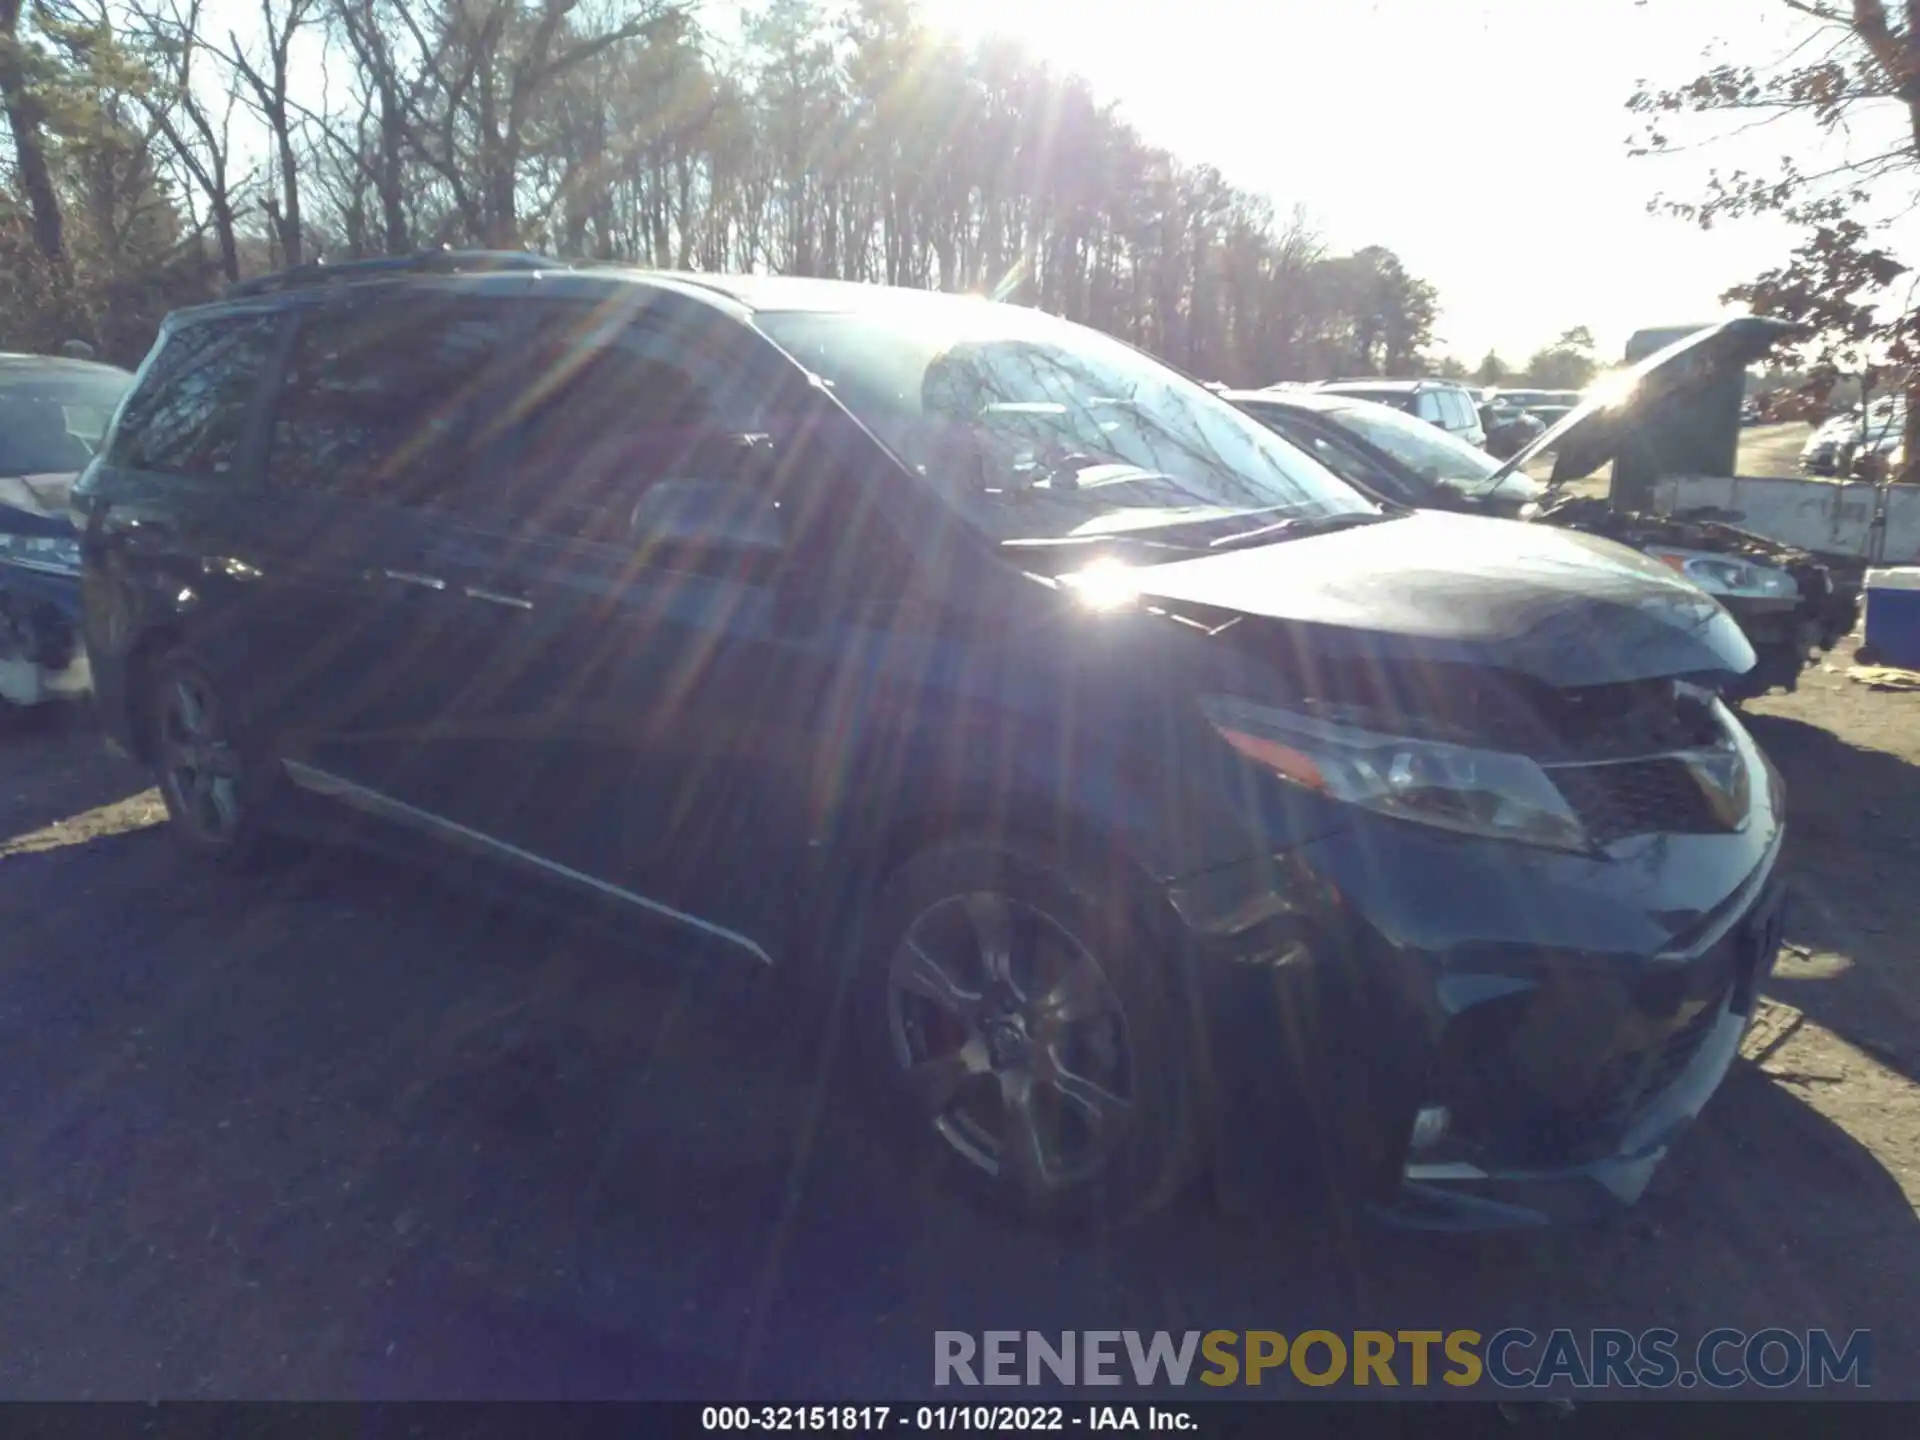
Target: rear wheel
<point>215,784</point>
<point>1025,1041</point>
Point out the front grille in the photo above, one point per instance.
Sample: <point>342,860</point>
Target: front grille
<point>1622,722</point>
<point>1637,797</point>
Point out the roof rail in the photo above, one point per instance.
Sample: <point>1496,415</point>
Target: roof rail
<point>426,262</point>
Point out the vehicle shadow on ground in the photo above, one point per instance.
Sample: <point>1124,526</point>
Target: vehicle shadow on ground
<point>72,775</point>
<point>343,1132</point>
<point>748,1221</point>
<point>1850,934</point>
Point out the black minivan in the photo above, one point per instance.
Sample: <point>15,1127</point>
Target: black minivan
<point>1153,803</point>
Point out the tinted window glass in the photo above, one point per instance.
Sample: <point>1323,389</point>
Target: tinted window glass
<point>1458,414</point>
<point>379,403</point>
<point>612,406</point>
<point>1427,406</point>
<point>51,419</point>
<point>189,415</point>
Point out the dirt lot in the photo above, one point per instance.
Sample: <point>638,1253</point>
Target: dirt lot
<point>345,1133</point>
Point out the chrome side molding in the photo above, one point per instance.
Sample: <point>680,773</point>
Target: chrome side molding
<point>372,802</point>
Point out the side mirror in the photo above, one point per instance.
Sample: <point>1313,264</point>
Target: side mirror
<point>703,515</point>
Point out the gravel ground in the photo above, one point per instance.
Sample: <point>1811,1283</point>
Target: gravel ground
<point>343,1132</point>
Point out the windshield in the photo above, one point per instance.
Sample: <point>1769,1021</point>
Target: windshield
<point>50,424</point>
<point>1036,429</point>
<point>1423,448</point>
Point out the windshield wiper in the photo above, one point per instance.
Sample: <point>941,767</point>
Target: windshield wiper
<point>1298,526</point>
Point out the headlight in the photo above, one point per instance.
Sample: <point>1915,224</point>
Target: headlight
<point>1724,575</point>
<point>56,554</point>
<point>1430,782</point>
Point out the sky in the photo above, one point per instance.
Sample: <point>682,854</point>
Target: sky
<point>1484,141</point>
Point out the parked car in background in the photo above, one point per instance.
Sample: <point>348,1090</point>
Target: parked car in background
<point>1509,428</point>
<point>1881,432</point>
<point>1143,797</point>
<point>1831,443</point>
<point>1550,407</point>
<point>1784,599</point>
<point>1387,452</point>
<point>1450,406</point>
<point>52,414</point>
<point>1741,547</point>
<point>1750,412</point>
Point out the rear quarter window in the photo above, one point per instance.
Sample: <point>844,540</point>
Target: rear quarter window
<point>188,414</point>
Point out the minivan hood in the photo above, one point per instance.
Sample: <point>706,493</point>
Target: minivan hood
<point>1565,608</point>
<point>1589,435</point>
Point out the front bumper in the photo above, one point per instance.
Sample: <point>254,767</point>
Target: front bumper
<point>1571,1013</point>
<point>41,658</point>
<point>1657,1093</point>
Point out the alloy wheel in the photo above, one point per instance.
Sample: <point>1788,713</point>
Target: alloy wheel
<point>199,766</point>
<point>1012,1040</point>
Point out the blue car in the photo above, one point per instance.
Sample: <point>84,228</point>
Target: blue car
<point>52,414</point>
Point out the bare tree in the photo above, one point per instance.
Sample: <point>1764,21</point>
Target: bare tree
<point>493,65</point>
<point>199,141</point>
<point>266,85</point>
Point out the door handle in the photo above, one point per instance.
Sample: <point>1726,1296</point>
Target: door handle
<point>415,578</point>
<point>495,597</point>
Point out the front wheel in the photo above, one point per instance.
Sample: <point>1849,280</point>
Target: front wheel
<point>1027,1041</point>
<point>213,783</point>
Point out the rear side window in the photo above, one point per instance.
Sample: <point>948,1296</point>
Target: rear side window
<point>189,414</point>
<point>380,402</point>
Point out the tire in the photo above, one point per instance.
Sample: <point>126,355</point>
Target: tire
<point>1076,1042</point>
<point>219,787</point>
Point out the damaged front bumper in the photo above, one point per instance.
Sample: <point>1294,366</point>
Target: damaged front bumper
<point>1664,1088</point>
<point>1458,1034</point>
<point>41,657</point>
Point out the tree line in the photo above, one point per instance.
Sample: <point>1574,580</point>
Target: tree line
<point>157,153</point>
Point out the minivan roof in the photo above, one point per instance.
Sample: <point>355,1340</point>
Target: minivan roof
<point>486,270</point>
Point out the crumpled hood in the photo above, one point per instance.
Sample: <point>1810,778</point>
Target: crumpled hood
<point>1565,608</point>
